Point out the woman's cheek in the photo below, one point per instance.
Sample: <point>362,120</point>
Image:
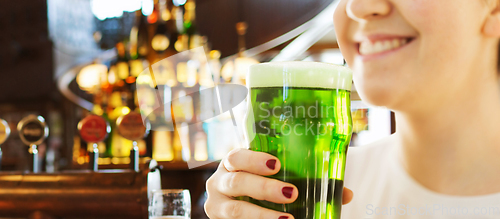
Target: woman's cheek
<point>343,30</point>
<point>426,15</point>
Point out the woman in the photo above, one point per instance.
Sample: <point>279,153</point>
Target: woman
<point>435,64</point>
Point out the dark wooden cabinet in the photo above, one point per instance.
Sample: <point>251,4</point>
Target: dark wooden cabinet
<point>25,52</point>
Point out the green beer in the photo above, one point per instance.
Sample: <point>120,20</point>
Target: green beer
<point>300,113</point>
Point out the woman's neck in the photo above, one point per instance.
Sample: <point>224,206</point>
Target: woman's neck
<point>455,148</point>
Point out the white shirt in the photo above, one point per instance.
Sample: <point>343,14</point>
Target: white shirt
<point>383,189</point>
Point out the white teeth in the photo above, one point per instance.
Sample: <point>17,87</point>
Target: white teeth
<point>396,43</point>
<point>377,47</point>
<point>387,45</point>
<point>368,48</point>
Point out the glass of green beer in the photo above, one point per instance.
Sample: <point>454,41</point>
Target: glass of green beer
<point>300,113</point>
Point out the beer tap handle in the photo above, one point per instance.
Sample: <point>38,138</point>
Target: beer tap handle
<point>34,155</point>
<point>134,157</point>
<point>94,157</point>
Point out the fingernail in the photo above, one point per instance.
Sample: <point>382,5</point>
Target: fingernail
<point>287,191</point>
<point>271,164</point>
<point>283,217</point>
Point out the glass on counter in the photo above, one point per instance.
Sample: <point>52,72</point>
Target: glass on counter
<point>170,204</point>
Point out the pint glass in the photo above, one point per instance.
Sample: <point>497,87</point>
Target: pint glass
<point>300,113</point>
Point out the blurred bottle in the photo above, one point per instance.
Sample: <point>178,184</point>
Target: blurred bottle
<point>183,114</point>
<point>190,27</point>
<point>200,144</point>
<point>192,69</point>
<point>183,137</point>
<point>162,37</point>
<point>220,136</point>
<point>177,145</point>
<point>139,38</point>
<point>182,69</point>
<point>215,65</point>
<point>55,122</point>
<point>178,16</point>
<point>162,145</point>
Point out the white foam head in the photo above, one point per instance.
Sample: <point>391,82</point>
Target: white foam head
<point>300,74</point>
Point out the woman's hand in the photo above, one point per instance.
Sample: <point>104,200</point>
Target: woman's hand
<point>242,173</point>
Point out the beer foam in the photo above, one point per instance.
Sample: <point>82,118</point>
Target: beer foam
<point>300,74</point>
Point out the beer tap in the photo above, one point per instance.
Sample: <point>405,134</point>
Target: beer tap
<point>4,134</point>
<point>131,127</point>
<point>33,130</point>
<point>94,129</point>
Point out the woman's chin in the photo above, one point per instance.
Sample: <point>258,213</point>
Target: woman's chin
<point>380,97</point>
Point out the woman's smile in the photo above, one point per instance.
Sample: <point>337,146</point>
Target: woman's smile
<point>378,46</point>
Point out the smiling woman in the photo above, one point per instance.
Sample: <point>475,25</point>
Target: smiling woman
<point>435,64</point>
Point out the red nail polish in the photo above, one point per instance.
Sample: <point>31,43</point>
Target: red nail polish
<point>283,217</point>
<point>271,164</point>
<point>287,191</point>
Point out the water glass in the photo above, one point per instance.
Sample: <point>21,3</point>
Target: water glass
<point>170,204</point>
